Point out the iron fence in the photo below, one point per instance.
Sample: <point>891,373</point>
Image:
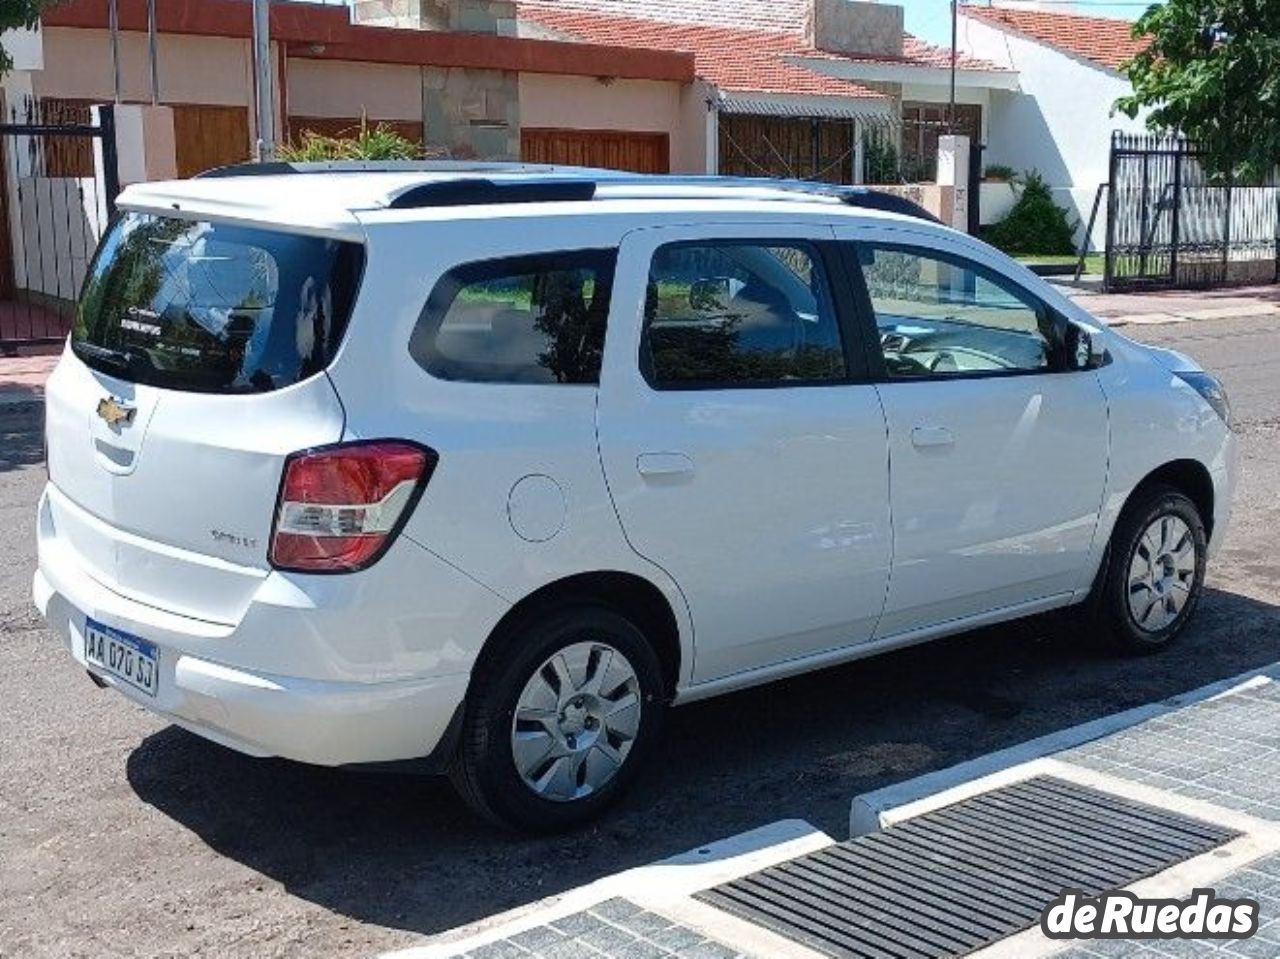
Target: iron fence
<point>1172,223</point>
<point>876,150</point>
<point>57,191</point>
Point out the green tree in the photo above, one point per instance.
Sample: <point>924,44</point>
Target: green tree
<point>16,14</point>
<point>1212,73</point>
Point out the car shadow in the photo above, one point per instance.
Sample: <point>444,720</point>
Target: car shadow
<point>402,852</point>
<point>21,445</point>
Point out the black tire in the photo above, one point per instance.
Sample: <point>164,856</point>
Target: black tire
<point>484,771</point>
<point>1109,607</point>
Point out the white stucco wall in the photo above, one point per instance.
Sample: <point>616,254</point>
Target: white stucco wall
<point>1059,121</point>
<point>585,103</point>
<point>212,70</point>
<point>696,148</point>
<point>995,200</point>
<point>25,47</point>
<point>319,88</point>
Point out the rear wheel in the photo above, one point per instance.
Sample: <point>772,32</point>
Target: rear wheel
<point>1152,584</point>
<point>559,720</point>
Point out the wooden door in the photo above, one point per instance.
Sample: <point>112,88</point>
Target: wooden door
<point>609,149</point>
<point>209,136</point>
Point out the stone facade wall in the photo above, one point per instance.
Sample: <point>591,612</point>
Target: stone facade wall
<point>457,16</point>
<point>467,114</point>
<point>855,26</point>
<point>471,114</point>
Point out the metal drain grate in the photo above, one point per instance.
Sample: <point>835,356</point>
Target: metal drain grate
<point>955,880</point>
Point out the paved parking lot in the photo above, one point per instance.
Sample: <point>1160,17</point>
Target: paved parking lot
<point>119,835</point>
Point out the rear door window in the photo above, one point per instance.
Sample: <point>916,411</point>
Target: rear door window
<point>740,314</point>
<point>204,307</point>
<point>528,319</point>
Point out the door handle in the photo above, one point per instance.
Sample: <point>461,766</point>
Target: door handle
<point>930,437</point>
<point>664,465</point>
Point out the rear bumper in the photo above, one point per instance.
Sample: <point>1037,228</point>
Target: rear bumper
<point>333,708</point>
<point>326,723</point>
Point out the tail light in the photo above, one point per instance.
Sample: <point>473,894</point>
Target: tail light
<point>341,507</point>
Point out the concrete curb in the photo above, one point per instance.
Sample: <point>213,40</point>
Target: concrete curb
<point>1167,317</point>
<point>664,886</point>
<point>876,810</point>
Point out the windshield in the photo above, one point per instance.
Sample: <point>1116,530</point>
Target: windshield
<point>204,307</point>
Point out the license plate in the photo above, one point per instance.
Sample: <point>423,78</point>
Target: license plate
<point>126,657</point>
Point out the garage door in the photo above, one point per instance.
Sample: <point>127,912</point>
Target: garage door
<point>209,136</point>
<point>610,149</point>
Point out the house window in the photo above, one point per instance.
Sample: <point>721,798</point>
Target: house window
<point>922,124</point>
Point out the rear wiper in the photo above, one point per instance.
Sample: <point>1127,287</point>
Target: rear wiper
<point>139,357</point>
<point>129,358</point>
<point>103,354</point>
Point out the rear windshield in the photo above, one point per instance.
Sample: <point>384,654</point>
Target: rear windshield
<point>211,308</point>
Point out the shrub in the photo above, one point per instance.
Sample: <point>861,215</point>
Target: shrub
<point>1000,172</point>
<point>377,143</point>
<point>1035,224</point>
<point>879,160</point>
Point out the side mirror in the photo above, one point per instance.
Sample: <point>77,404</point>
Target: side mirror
<point>1083,351</point>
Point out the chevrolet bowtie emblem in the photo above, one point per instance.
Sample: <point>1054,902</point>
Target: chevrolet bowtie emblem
<point>114,414</point>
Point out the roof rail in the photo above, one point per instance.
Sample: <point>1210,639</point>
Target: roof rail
<point>466,183</point>
<point>867,198</point>
<point>473,191</point>
<point>283,168</point>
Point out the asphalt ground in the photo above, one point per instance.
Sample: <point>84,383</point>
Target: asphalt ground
<point>120,835</point>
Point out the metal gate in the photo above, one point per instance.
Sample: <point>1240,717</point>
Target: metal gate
<point>1172,224</point>
<point>58,184</point>
<point>874,150</point>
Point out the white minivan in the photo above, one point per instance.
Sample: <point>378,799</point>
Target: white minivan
<point>485,467</point>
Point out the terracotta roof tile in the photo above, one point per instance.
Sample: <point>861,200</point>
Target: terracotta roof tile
<point>1102,40</point>
<point>915,53</point>
<point>916,50</point>
<point>734,59</point>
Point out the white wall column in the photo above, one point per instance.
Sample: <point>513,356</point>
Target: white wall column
<point>859,153</point>
<point>146,148</point>
<point>713,135</point>
<point>953,178</point>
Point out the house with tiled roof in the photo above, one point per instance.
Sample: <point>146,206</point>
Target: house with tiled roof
<point>802,88</point>
<point>1060,117</point>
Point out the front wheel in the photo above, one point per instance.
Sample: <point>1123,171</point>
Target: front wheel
<point>559,720</point>
<point>1155,576</point>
